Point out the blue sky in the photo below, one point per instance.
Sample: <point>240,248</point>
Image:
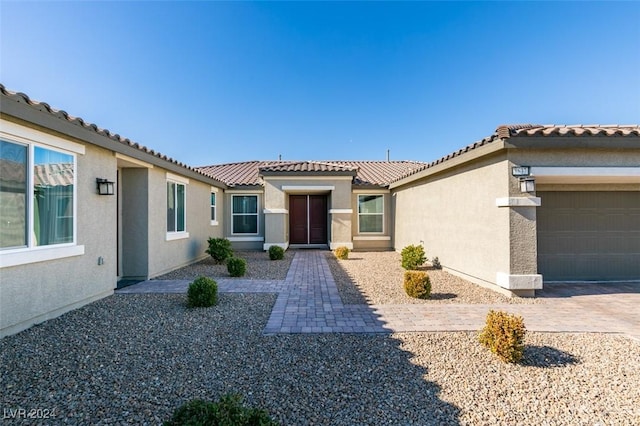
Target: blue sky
<point>217,82</point>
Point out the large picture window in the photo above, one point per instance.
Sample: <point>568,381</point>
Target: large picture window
<point>371,213</point>
<point>244,214</point>
<point>41,213</point>
<point>176,195</point>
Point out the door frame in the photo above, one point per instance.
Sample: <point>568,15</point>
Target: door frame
<point>307,217</point>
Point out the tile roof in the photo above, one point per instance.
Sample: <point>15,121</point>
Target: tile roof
<point>63,115</point>
<point>536,130</point>
<point>367,173</point>
<point>53,174</point>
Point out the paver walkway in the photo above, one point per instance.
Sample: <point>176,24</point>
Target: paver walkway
<point>308,302</point>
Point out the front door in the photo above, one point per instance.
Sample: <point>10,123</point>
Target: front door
<point>308,219</point>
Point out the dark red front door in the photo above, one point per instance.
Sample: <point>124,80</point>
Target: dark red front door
<point>307,219</point>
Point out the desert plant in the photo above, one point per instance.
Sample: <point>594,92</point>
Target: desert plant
<point>236,266</point>
<point>503,335</point>
<point>342,253</point>
<point>202,292</point>
<point>417,284</point>
<point>227,411</point>
<point>413,257</point>
<point>276,253</point>
<point>219,249</point>
<point>435,262</point>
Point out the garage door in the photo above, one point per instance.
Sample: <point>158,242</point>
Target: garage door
<point>589,236</point>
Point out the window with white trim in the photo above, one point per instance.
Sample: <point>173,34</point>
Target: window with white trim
<point>244,214</point>
<point>176,206</point>
<point>214,213</point>
<point>37,196</point>
<point>371,214</point>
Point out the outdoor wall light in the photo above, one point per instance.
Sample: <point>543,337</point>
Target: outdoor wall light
<point>527,184</point>
<point>105,187</point>
<point>520,171</point>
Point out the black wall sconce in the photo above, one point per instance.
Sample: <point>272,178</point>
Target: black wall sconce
<point>105,187</point>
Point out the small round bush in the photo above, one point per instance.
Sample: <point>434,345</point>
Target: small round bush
<point>229,410</point>
<point>417,284</point>
<point>236,266</point>
<point>203,292</point>
<point>219,249</point>
<point>342,253</point>
<point>276,253</point>
<point>413,257</point>
<point>503,335</point>
<point>436,263</point>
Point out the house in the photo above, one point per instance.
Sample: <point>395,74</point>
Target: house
<point>82,208</point>
<point>62,244</point>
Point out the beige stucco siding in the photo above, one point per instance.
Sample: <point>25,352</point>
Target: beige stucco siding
<point>166,255</point>
<point>454,214</point>
<point>34,292</point>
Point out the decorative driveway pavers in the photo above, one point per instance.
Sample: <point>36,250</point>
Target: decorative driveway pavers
<point>308,302</point>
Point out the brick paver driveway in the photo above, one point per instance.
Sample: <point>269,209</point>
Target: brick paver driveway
<point>308,302</point>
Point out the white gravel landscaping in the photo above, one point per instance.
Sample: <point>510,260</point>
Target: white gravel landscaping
<point>131,359</point>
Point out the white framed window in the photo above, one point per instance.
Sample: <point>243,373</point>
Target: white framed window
<point>213,204</point>
<point>244,214</point>
<point>176,207</point>
<point>37,196</point>
<point>370,214</point>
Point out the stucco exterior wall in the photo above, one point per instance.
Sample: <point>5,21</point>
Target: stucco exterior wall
<point>34,292</point>
<point>454,214</point>
<point>166,255</point>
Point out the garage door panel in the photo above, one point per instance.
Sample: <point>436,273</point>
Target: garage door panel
<point>589,235</point>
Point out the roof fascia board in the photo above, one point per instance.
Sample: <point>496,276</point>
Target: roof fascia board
<point>573,141</point>
<point>307,177</point>
<point>30,116</point>
<point>472,155</point>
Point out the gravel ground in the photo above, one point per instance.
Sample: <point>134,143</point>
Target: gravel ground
<point>132,359</point>
<point>377,277</point>
<point>259,266</point>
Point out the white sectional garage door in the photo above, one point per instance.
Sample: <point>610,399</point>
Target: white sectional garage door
<point>589,236</point>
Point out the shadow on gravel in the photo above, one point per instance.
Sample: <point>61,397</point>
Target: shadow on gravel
<point>134,359</point>
<point>347,288</point>
<point>443,296</point>
<point>547,357</point>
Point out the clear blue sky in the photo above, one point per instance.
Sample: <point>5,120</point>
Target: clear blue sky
<point>213,82</point>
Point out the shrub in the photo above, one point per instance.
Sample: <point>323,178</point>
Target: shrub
<point>236,266</point>
<point>417,284</point>
<point>504,334</point>
<point>229,410</point>
<point>413,257</point>
<point>342,253</point>
<point>276,253</point>
<point>219,249</point>
<point>436,263</point>
<point>203,292</point>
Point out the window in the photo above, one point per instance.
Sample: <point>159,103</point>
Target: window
<point>214,219</point>
<point>370,213</point>
<point>175,207</point>
<point>244,215</point>
<point>43,213</point>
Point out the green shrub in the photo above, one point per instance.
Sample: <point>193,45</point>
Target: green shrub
<point>417,284</point>
<point>203,292</point>
<point>504,334</point>
<point>342,253</point>
<point>436,263</point>
<point>219,249</point>
<point>228,411</point>
<point>236,266</point>
<point>413,257</point>
<point>276,253</point>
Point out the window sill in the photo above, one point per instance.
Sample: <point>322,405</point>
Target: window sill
<point>214,223</point>
<point>40,254</point>
<point>372,238</point>
<point>246,238</point>
<point>172,236</point>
